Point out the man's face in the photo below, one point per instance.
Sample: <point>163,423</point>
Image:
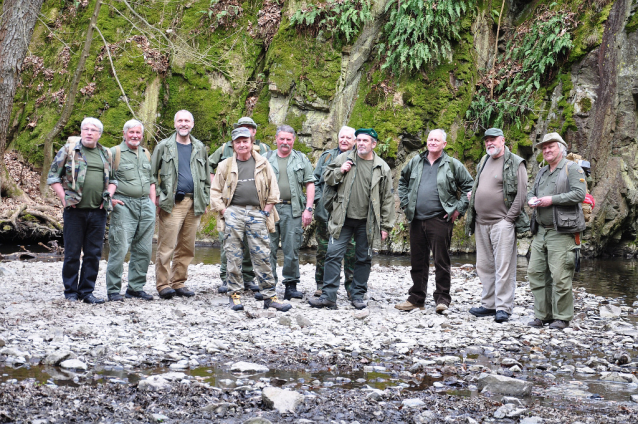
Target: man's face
<point>252,130</point>
<point>133,137</point>
<point>551,152</point>
<point>90,134</point>
<point>284,143</point>
<point>183,123</point>
<point>436,143</point>
<point>494,145</point>
<point>242,145</point>
<point>365,144</point>
<point>346,141</point>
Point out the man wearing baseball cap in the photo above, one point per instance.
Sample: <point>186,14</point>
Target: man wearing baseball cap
<point>244,193</point>
<point>496,214</point>
<point>556,196</point>
<point>223,153</point>
<point>363,207</point>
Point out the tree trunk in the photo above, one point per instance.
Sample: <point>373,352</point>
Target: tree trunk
<point>69,103</point>
<point>16,28</point>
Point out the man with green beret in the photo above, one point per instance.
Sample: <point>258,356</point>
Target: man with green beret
<point>363,207</point>
<point>428,190</point>
<point>223,153</point>
<point>496,214</point>
<point>557,221</point>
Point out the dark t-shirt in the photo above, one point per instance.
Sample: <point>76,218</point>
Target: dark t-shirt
<point>428,203</point>
<point>185,177</point>
<point>94,182</point>
<point>360,196</point>
<point>246,191</point>
<point>282,180</point>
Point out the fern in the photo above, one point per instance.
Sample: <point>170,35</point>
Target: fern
<point>344,18</point>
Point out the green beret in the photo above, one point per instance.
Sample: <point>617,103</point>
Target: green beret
<point>370,131</point>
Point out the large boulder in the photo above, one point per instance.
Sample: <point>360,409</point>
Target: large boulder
<point>282,400</point>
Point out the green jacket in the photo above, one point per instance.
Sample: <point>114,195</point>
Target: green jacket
<point>133,173</point>
<point>164,170</point>
<point>225,151</point>
<point>299,172</point>
<point>381,207</point>
<point>511,163</point>
<point>324,160</point>
<point>69,168</point>
<point>451,177</point>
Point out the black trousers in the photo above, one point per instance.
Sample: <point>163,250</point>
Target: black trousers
<point>83,231</point>
<point>430,234</point>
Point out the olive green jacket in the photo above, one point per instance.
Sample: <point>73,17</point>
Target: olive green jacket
<point>69,169</point>
<point>511,163</point>
<point>381,206</point>
<point>324,160</point>
<point>451,178</point>
<point>299,171</point>
<point>164,170</point>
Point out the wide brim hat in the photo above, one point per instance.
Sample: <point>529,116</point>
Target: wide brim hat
<point>549,138</point>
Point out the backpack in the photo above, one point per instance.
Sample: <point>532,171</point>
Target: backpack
<point>589,203</point>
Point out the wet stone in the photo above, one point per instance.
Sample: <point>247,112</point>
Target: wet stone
<point>282,400</point>
<point>412,403</point>
<point>74,364</point>
<point>504,385</point>
<point>248,367</point>
<point>259,420</point>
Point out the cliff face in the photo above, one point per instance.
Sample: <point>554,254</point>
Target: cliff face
<point>222,60</point>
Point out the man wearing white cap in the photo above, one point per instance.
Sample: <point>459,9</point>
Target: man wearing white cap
<point>557,221</point>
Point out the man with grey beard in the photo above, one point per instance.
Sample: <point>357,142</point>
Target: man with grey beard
<point>496,214</point>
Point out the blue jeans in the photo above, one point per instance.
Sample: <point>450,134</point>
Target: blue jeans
<point>83,232</point>
<point>334,256</point>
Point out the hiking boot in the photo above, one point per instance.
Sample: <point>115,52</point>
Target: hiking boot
<point>322,302</point>
<point>89,298</point>
<point>291,291</point>
<point>115,297</point>
<point>440,308</point>
<point>184,292</point>
<point>502,316</point>
<point>250,285</point>
<point>482,312</point>
<point>167,293</point>
<point>559,324</point>
<point>137,294</point>
<point>235,302</point>
<point>259,296</point>
<point>408,306</point>
<point>359,303</point>
<point>273,302</point>
<point>537,323</point>
<point>223,288</point>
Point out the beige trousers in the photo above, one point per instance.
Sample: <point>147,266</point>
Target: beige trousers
<point>496,264</point>
<point>176,235</point>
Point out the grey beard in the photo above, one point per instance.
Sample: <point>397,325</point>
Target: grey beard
<point>494,152</point>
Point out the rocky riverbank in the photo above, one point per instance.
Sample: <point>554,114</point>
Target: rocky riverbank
<point>194,360</point>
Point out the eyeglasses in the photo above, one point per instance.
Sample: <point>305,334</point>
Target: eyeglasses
<point>90,130</point>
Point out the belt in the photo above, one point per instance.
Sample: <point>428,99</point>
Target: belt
<point>548,227</point>
<point>285,202</point>
<point>188,195</point>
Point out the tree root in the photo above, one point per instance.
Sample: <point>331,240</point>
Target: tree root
<point>16,227</point>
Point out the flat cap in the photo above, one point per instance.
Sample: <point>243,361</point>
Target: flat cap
<point>240,132</point>
<point>494,132</point>
<point>550,138</point>
<point>369,131</point>
<point>245,120</point>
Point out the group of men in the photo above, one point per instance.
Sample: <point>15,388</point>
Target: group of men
<point>265,198</point>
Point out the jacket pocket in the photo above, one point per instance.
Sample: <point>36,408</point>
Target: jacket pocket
<point>127,172</point>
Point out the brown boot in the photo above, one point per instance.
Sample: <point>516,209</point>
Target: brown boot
<point>408,306</point>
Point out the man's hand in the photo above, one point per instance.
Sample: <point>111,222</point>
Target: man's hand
<point>156,201</point>
<point>346,166</point>
<point>384,235</point>
<point>116,202</point>
<point>469,195</point>
<point>455,215</point>
<point>306,218</point>
<point>543,202</point>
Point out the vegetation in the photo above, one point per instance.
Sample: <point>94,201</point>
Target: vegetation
<point>342,18</point>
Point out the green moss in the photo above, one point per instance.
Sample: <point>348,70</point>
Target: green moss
<point>208,226</point>
<point>632,23</point>
<point>295,121</point>
<point>585,104</point>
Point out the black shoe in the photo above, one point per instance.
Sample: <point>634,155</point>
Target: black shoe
<point>167,293</point>
<point>273,302</point>
<point>184,292</point>
<point>482,312</point>
<point>92,299</point>
<point>559,324</point>
<point>138,294</point>
<point>115,297</point>
<point>259,296</point>
<point>251,286</point>
<point>502,316</point>
<point>235,302</point>
<point>359,303</point>
<point>72,298</point>
<point>291,291</point>
<point>322,302</point>
<point>537,323</point>
<point>223,288</point>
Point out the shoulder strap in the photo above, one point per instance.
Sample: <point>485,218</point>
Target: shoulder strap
<point>147,153</point>
<point>269,154</point>
<point>118,157</point>
<point>538,178</point>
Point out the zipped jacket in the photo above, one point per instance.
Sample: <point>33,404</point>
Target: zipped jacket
<point>325,159</point>
<point>165,168</point>
<point>511,163</point>
<point>451,178</point>
<point>69,169</point>
<point>225,183</point>
<point>381,202</point>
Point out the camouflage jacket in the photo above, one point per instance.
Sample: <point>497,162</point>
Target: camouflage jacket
<point>69,169</point>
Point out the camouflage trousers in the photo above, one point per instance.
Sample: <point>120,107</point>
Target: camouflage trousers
<point>248,221</point>
<point>322,237</point>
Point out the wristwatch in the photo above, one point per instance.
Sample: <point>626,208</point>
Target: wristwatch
<point>309,209</point>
